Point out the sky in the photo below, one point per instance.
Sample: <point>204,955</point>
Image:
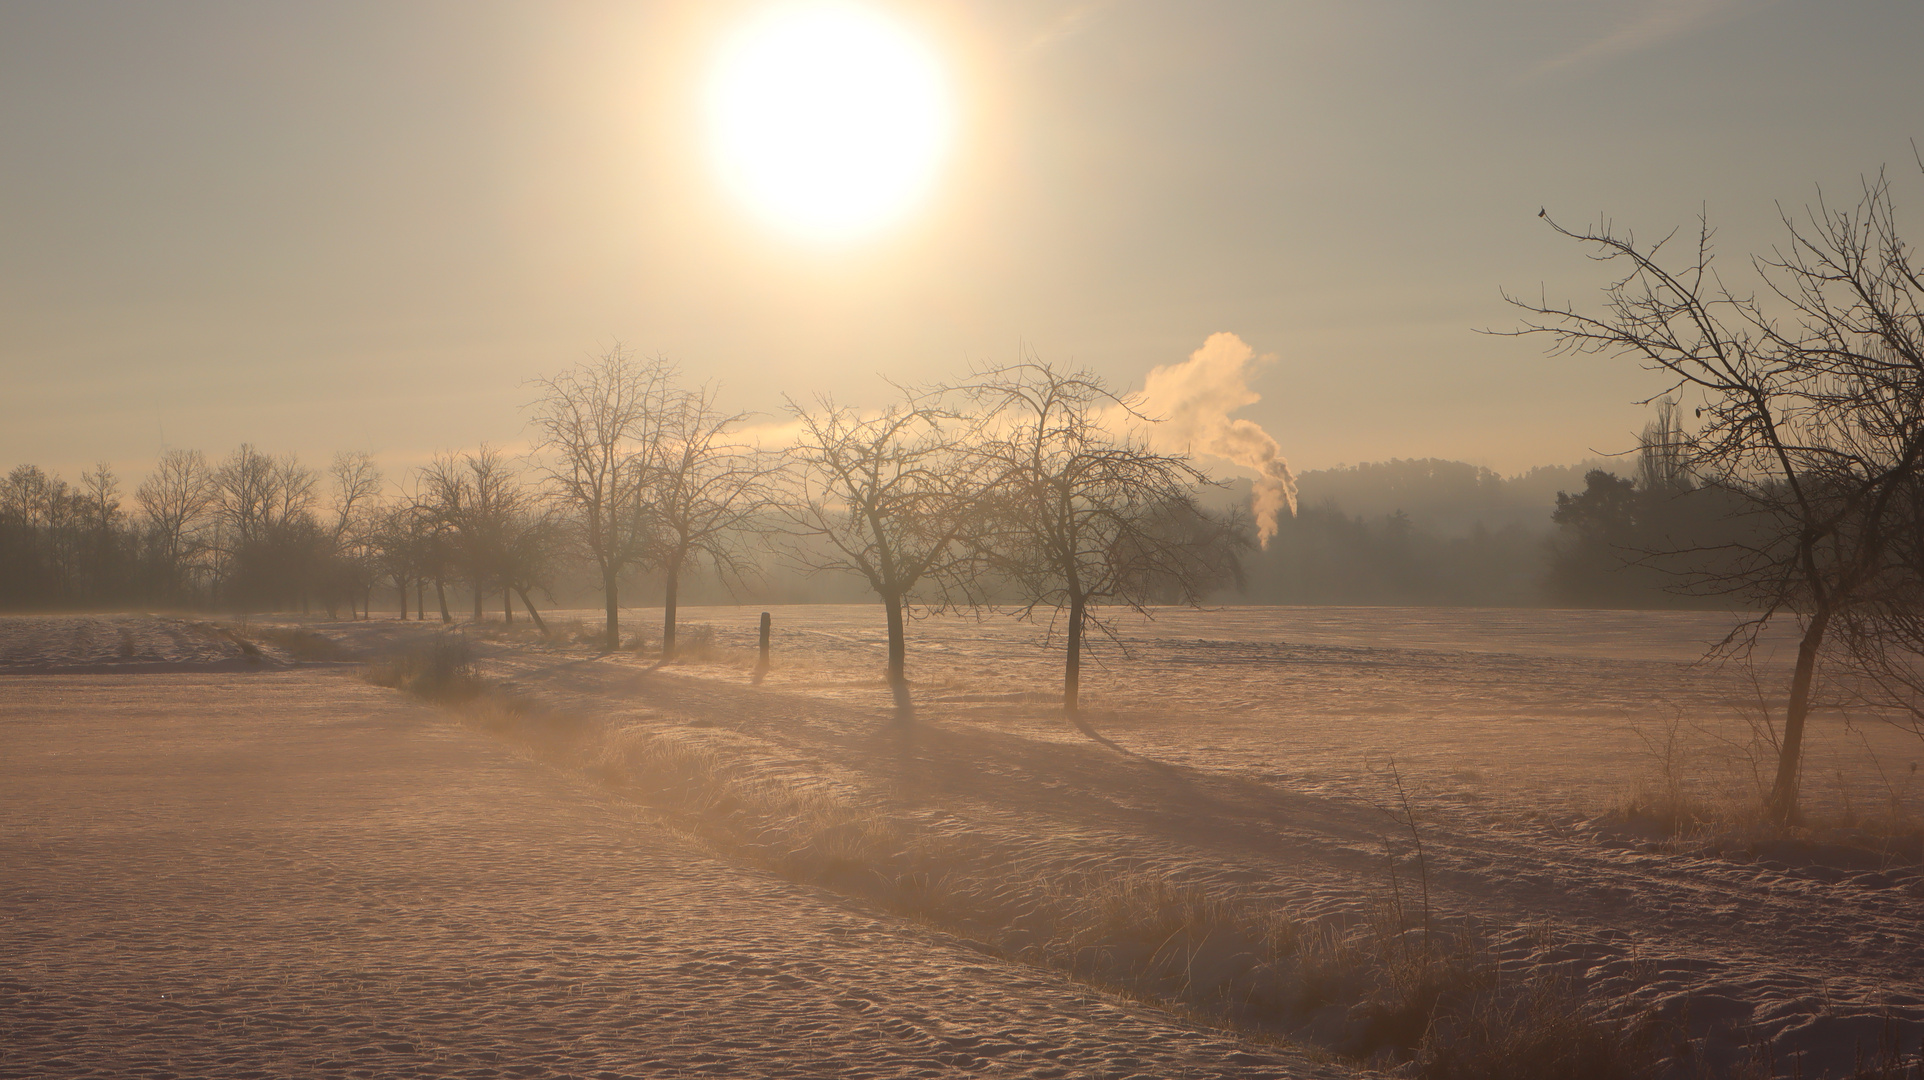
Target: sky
<point>367,226</point>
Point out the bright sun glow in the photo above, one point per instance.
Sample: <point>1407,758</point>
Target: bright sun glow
<point>828,118</point>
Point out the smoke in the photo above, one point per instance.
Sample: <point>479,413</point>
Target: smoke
<point>1194,399</point>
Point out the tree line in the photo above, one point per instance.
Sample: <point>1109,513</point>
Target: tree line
<point>1429,532</point>
<point>1023,487</point>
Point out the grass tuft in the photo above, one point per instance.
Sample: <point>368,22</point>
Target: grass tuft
<point>439,670</point>
<point>1545,1029</point>
<point>1698,803</point>
<point>300,644</point>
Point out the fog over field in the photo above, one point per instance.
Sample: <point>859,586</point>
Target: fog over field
<point>908,538</point>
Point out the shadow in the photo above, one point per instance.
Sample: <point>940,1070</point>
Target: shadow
<point>1083,725</point>
<point>1094,787</point>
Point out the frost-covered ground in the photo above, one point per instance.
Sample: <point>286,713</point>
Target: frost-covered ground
<point>292,873</point>
<point>1546,709</point>
<point>1246,751</point>
<point>124,644</point>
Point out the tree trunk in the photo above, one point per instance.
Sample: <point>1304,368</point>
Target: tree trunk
<point>1072,665</point>
<point>479,597</point>
<point>401,586</point>
<point>1790,754</point>
<point>898,648</point>
<point>532,613</point>
<point>672,585</point>
<point>441,594</point>
<point>608,575</point>
<point>420,599</point>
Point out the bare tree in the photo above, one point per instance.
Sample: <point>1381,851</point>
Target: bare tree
<point>265,536</point>
<point>1812,412</point>
<point>244,493</point>
<point>705,492</point>
<point>475,498</point>
<point>1082,516</point>
<point>400,535</point>
<point>357,485</point>
<point>437,557</point>
<point>1663,465</point>
<point>443,502</point>
<point>293,490</point>
<point>31,497</point>
<point>174,499</point>
<point>883,498</point>
<point>354,540</point>
<point>103,553</point>
<point>532,538</point>
<point>100,493</point>
<point>255,492</point>
<point>597,425</point>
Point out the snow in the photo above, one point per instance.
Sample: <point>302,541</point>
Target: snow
<point>1242,751</point>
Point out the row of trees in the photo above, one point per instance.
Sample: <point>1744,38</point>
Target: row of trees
<point>250,531</point>
<point>1022,486</point>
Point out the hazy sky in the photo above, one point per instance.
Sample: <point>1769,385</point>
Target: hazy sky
<point>331,226</point>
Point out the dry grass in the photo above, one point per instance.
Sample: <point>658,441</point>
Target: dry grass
<point>439,670</point>
<point>249,650</point>
<point>1885,1061</point>
<point>584,632</point>
<point>519,632</point>
<point>1888,1061</point>
<point>299,644</point>
<point>1400,988</point>
<point>1708,799</point>
<point>1545,1029</point>
<point>695,644</point>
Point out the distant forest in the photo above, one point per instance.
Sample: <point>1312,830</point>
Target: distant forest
<point>258,532</point>
<point>1445,533</point>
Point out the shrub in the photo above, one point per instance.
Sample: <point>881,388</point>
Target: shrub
<point>442,669</point>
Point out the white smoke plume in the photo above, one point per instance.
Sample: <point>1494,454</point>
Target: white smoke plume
<point>1194,399</point>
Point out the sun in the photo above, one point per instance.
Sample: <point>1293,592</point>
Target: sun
<point>829,119</point>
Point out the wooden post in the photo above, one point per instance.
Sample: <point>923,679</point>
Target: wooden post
<point>761,664</point>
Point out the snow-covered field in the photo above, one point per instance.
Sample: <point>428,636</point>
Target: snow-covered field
<point>123,644</point>
<point>1549,709</point>
<point>1240,752</point>
<point>293,874</point>
<point>1247,749</point>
